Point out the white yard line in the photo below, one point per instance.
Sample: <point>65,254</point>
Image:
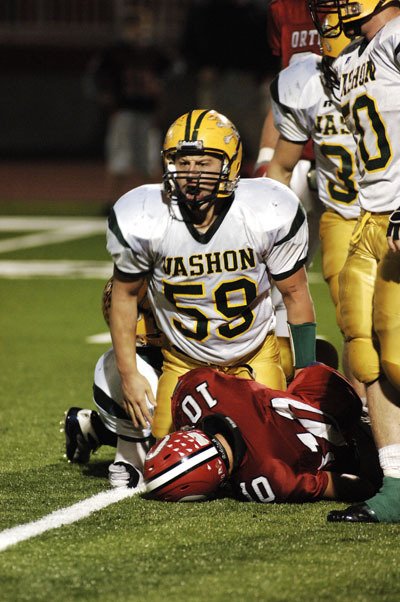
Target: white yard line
<point>60,268</point>
<point>52,234</point>
<point>31,223</point>
<point>47,231</point>
<point>99,339</point>
<point>65,516</point>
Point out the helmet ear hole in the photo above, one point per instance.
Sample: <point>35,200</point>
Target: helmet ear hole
<point>184,466</point>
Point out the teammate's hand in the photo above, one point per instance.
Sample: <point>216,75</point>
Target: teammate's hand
<point>393,231</point>
<point>138,400</point>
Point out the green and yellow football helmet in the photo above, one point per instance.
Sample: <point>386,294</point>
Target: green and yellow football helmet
<point>331,47</point>
<point>350,14</point>
<point>202,132</point>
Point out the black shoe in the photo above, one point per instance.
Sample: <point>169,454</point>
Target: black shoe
<point>80,436</point>
<point>359,513</point>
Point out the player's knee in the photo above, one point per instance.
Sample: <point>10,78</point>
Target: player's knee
<point>363,359</point>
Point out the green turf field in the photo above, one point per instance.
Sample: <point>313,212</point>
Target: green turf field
<point>137,550</point>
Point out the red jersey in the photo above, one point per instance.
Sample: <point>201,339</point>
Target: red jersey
<point>291,31</point>
<point>291,437</point>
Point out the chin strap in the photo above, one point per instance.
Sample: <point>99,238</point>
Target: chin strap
<point>222,452</point>
<point>224,425</point>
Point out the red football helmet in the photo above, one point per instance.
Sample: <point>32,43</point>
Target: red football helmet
<point>184,466</point>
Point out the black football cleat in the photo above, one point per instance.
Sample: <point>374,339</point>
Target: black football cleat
<point>359,513</point>
<point>80,435</point>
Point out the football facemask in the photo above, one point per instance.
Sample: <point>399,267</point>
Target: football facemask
<point>195,134</point>
<point>185,466</point>
<point>350,14</point>
<point>331,47</point>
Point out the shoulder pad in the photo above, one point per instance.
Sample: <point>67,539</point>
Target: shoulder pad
<point>142,205</point>
<point>266,203</point>
<point>295,86</point>
<point>389,37</point>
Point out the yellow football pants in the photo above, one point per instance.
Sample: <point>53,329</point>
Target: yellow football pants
<point>265,363</point>
<point>369,296</point>
<point>335,234</point>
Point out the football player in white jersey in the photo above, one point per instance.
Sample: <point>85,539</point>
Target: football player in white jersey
<point>207,245</point>
<point>305,107</point>
<point>86,430</point>
<point>291,37</point>
<point>369,76</point>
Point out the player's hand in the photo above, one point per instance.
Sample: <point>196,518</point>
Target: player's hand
<point>138,400</point>
<point>393,231</point>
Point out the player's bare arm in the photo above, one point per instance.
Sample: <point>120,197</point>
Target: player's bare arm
<point>123,320</point>
<point>297,298</point>
<point>301,317</point>
<point>287,155</point>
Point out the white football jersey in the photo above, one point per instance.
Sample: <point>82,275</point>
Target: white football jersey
<point>369,75</point>
<point>211,292</point>
<point>303,108</point>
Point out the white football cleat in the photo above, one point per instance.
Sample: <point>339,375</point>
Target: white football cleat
<point>122,474</point>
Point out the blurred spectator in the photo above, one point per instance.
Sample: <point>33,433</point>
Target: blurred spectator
<point>127,80</point>
<point>224,46</point>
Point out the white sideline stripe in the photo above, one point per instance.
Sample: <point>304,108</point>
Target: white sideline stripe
<point>95,339</point>
<point>31,222</point>
<point>315,278</point>
<point>60,268</point>
<point>53,236</point>
<point>65,516</point>
<point>54,230</point>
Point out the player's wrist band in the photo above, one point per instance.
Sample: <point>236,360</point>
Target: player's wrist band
<point>302,340</point>
<point>265,154</point>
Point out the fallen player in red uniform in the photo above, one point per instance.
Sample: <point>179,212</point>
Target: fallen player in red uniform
<point>296,445</point>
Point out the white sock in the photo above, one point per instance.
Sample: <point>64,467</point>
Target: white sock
<point>131,452</point>
<point>389,459</point>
